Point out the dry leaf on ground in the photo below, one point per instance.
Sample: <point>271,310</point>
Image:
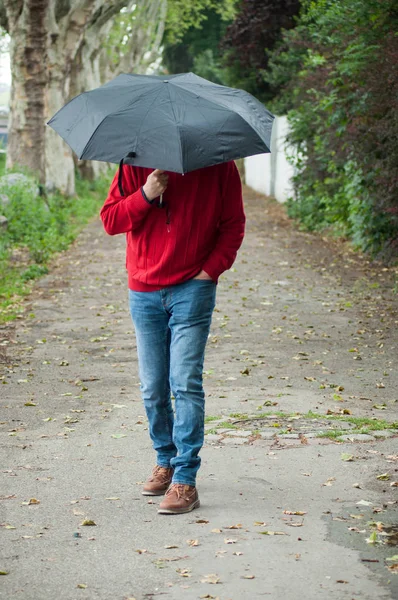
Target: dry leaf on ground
<point>211,578</point>
<point>295,512</point>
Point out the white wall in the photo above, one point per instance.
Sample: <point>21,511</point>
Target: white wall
<point>271,174</point>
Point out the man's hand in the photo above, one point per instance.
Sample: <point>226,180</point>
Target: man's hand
<point>203,275</point>
<point>156,184</point>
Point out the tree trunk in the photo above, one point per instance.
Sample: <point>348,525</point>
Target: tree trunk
<point>29,59</point>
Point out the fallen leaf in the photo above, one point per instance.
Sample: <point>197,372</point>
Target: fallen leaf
<point>364,503</point>
<point>295,512</point>
<point>112,498</point>
<point>4,572</point>
<point>32,501</point>
<point>238,526</point>
<point>118,435</point>
<point>216,531</point>
<point>212,578</point>
<point>384,477</point>
<point>171,547</point>
<point>237,553</point>
<point>184,572</point>
<point>329,481</point>
<point>88,522</point>
<point>193,543</point>
<point>201,521</point>
<point>393,558</point>
<point>393,568</point>
<point>81,586</point>
<point>394,484</point>
<point>260,523</point>
<point>248,577</point>
<point>372,539</point>
<point>30,403</point>
<point>273,533</point>
<point>230,541</point>
<point>347,457</point>
<point>141,551</point>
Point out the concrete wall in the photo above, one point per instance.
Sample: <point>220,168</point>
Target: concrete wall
<point>271,174</point>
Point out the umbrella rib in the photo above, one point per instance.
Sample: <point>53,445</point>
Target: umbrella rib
<point>178,127</point>
<point>204,96</point>
<point>111,115</point>
<point>149,108</point>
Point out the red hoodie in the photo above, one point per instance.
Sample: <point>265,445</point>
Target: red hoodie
<point>201,225</point>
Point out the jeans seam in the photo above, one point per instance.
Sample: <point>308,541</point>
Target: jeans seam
<point>167,387</point>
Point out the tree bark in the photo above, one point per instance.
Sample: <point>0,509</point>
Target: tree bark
<point>29,58</point>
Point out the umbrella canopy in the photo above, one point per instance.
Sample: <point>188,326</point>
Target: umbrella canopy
<point>176,123</point>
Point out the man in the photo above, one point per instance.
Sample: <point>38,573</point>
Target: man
<point>182,232</point>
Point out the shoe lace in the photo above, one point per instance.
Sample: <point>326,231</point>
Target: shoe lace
<point>178,489</point>
<point>161,472</point>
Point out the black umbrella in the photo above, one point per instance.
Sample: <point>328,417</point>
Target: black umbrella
<point>176,123</point>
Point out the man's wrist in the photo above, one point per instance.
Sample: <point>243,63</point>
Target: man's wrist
<point>145,196</point>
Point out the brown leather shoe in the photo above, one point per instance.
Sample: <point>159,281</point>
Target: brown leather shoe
<point>158,482</point>
<point>180,498</point>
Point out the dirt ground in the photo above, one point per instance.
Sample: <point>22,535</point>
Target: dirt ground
<point>298,483</point>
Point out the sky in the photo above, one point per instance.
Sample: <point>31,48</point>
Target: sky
<point>5,72</point>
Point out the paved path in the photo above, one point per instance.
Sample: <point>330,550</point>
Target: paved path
<point>300,457</point>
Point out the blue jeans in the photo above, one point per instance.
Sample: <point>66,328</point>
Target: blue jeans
<point>172,326</point>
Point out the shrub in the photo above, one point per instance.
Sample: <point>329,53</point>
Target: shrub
<point>338,72</point>
<point>38,227</point>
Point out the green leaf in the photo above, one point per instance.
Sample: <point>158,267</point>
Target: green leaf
<point>347,457</point>
<point>384,477</point>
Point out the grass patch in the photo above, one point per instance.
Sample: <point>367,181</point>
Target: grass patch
<point>359,422</point>
<point>210,418</point>
<point>333,435</point>
<point>211,431</point>
<point>241,416</point>
<point>38,228</point>
<point>226,424</point>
